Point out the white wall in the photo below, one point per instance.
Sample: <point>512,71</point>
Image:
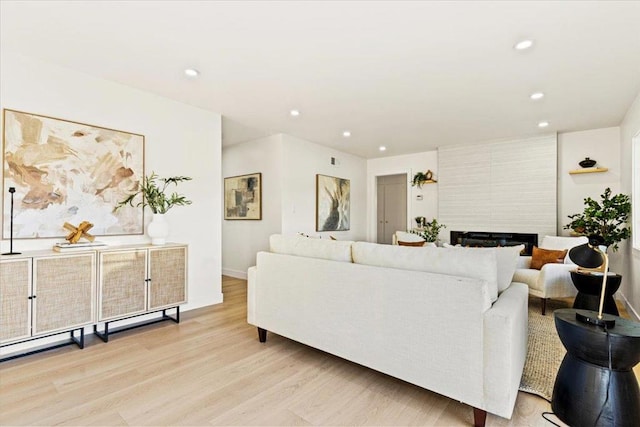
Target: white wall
<point>407,164</point>
<point>302,160</point>
<point>630,287</point>
<point>241,240</point>
<point>602,145</point>
<point>289,166</point>
<point>502,186</point>
<point>180,140</point>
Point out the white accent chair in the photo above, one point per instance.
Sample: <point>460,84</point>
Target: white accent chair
<point>552,280</point>
<point>405,236</point>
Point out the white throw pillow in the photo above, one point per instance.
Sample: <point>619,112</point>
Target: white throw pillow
<point>335,250</point>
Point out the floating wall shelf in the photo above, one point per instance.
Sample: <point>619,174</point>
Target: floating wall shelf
<point>588,170</point>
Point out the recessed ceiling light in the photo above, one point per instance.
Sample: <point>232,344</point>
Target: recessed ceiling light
<point>524,44</point>
<point>346,134</point>
<point>294,113</point>
<point>191,72</point>
<point>382,148</point>
<point>537,95</point>
<point>543,124</point>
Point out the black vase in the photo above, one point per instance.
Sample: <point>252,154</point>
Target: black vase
<point>587,163</point>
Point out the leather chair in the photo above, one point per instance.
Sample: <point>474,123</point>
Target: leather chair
<point>552,280</point>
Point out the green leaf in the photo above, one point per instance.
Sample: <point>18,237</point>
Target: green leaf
<point>153,194</point>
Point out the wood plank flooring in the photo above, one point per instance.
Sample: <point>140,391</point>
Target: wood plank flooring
<point>211,370</point>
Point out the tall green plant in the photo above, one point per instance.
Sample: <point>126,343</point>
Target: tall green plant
<point>608,218</point>
<point>153,194</point>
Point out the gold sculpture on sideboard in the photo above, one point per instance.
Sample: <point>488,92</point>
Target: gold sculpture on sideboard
<point>80,231</point>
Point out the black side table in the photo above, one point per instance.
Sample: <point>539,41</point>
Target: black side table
<point>587,392</point>
<point>589,288</point>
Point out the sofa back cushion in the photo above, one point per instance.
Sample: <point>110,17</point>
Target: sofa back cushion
<point>334,250</point>
<point>507,260</point>
<point>454,262</point>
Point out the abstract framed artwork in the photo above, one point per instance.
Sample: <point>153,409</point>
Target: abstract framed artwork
<point>243,197</point>
<point>333,200</point>
<point>65,171</point>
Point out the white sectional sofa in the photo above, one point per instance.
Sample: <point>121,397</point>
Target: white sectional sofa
<point>448,320</point>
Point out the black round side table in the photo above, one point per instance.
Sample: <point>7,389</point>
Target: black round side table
<point>595,385</point>
<point>589,288</point>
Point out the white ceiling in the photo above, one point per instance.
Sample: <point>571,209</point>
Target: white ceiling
<point>408,75</point>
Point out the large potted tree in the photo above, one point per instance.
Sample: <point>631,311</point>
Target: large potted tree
<point>607,219</point>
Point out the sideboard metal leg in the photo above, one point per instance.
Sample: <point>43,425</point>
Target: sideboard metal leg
<point>78,341</point>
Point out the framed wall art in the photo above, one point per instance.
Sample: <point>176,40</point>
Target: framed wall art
<point>243,197</point>
<point>333,199</point>
<point>65,171</point>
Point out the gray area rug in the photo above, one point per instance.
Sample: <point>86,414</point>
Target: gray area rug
<point>545,351</point>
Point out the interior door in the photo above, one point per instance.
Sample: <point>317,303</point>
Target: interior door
<point>392,206</point>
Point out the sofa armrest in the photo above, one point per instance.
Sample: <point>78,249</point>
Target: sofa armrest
<point>251,295</point>
<point>556,280</point>
<point>505,348</point>
<point>551,272</point>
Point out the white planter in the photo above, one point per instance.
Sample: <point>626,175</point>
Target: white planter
<point>158,229</point>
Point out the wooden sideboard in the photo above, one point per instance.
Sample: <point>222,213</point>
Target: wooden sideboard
<point>46,293</point>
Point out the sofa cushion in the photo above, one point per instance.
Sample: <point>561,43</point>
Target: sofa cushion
<point>507,261</point>
<point>454,262</point>
<point>540,257</point>
<point>335,250</point>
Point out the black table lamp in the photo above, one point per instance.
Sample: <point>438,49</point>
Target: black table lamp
<point>12,190</point>
<point>591,259</point>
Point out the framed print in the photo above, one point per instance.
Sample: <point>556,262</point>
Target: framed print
<point>243,197</point>
<point>332,203</point>
<point>64,171</point>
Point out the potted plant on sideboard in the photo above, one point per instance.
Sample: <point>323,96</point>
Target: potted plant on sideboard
<point>154,195</point>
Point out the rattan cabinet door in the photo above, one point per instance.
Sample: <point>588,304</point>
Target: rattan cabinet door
<point>122,285</point>
<point>64,292</point>
<point>168,274</point>
<point>15,302</point>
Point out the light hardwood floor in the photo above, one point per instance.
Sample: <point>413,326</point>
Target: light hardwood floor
<point>211,370</point>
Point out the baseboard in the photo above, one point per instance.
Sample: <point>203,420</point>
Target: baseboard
<point>238,274</point>
<point>629,308</point>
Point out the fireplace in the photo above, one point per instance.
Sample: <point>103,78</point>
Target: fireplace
<point>494,239</point>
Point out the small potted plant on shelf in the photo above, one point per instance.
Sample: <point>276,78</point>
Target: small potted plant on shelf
<point>420,178</point>
<point>430,230</point>
<point>607,219</point>
<point>154,195</point>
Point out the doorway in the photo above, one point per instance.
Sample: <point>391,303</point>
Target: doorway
<point>392,206</point>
